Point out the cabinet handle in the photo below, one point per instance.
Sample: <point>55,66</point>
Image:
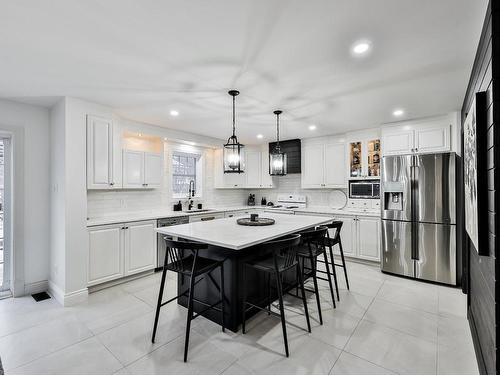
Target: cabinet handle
<point>207,218</point>
<point>416,150</point>
<point>111,184</point>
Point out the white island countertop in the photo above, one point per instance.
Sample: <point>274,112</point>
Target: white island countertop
<point>228,234</point>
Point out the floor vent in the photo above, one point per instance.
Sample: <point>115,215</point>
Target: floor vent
<point>40,296</point>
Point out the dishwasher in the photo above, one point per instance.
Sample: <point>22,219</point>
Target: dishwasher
<point>161,248</point>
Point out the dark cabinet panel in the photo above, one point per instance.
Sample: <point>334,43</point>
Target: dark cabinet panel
<point>292,149</point>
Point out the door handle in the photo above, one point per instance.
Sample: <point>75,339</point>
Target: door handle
<point>207,218</point>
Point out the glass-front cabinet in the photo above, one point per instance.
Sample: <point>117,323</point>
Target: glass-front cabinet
<point>364,158</point>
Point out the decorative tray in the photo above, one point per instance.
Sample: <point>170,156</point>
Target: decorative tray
<point>260,221</point>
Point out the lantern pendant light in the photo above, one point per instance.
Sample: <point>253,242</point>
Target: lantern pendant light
<point>233,150</point>
<point>277,159</point>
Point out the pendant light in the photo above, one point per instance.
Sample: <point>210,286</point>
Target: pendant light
<point>277,159</point>
<point>233,150</point>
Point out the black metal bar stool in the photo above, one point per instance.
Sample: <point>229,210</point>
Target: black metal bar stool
<point>184,259</point>
<point>313,245</point>
<point>283,258</point>
<point>331,242</point>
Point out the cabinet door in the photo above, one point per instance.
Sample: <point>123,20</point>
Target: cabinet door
<point>266,178</point>
<point>335,173</point>
<point>253,169</point>
<point>313,166</point>
<point>218,171</point>
<point>234,180</point>
<point>105,260</point>
<point>397,142</point>
<point>99,153</point>
<point>133,169</point>
<point>432,139</point>
<point>206,217</point>
<point>153,170</point>
<point>348,236</point>
<point>369,238</point>
<point>140,247</point>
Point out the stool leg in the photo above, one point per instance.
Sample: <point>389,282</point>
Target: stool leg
<point>343,263</point>
<point>158,305</point>
<point>334,271</point>
<point>329,278</point>
<point>282,311</point>
<point>189,316</point>
<point>244,304</point>
<point>269,293</point>
<point>304,301</point>
<point>223,302</point>
<point>315,281</point>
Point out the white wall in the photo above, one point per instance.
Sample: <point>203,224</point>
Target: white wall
<point>30,126</point>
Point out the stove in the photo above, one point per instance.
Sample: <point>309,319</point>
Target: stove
<point>286,203</point>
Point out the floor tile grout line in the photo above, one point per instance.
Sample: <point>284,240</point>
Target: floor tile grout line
<point>51,353</point>
<point>373,363</point>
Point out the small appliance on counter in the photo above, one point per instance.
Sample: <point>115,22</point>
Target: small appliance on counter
<point>178,206</point>
<point>251,200</point>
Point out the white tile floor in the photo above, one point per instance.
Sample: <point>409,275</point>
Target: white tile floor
<point>383,325</point>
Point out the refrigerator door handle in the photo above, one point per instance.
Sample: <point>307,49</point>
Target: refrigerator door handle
<point>414,204</point>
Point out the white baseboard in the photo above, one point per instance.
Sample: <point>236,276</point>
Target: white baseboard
<point>68,299</point>
<point>38,287</point>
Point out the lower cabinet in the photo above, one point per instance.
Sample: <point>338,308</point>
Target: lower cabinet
<point>120,250</point>
<point>360,236</point>
<point>206,217</point>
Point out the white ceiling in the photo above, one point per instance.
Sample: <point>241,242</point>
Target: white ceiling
<point>147,57</point>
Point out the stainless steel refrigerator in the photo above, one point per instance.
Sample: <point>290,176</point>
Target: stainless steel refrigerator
<point>419,216</point>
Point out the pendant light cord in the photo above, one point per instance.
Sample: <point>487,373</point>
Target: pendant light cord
<point>234,98</point>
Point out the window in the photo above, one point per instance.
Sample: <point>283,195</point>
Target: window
<point>185,168</point>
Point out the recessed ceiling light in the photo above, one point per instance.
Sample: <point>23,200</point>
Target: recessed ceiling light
<point>398,112</point>
<point>360,48</point>
<point>174,113</point>
<point>260,136</point>
<point>312,127</point>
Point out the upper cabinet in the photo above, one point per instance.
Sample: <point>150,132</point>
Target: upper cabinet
<point>423,136</point>
<point>323,164</point>
<point>363,155</point>
<point>103,155</point>
<point>141,170</point>
<point>256,175</point>
<point>117,159</point>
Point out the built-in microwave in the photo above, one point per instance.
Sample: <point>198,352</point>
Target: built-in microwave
<point>365,189</point>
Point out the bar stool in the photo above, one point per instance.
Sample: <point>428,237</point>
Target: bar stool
<point>313,245</point>
<point>192,266</point>
<point>331,242</point>
<point>283,258</point>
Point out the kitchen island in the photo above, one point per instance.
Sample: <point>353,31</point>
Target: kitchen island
<point>235,244</point>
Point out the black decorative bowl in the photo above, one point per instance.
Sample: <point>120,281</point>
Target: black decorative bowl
<point>259,222</point>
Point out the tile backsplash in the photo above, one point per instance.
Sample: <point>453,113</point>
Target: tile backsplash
<point>109,202</point>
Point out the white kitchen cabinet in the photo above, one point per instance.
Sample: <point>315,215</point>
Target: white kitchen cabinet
<point>312,166</point>
<point>267,180</point>
<point>140,247</point>
<point>256,175</point>
<point>323,165</point>
<point>253,169</point>
<point>120,250</point>
<point>105,258</point>
<point>206,217</point>
<point>419,137</point>
<point>348,235</point>
<point>435,139</point>
<point>363,155</point>
<point>103,154</point>
<point>141,170</point>
<point>360,235</point>
<point>398,142</point>
<point>368,238</point>
<point>335,176</point>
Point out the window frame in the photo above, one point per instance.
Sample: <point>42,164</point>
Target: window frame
<point>198,172</point>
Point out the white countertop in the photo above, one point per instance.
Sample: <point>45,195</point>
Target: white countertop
<point>338,211</point>
<point>126,217</point>
<point>228,234</point>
